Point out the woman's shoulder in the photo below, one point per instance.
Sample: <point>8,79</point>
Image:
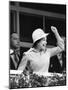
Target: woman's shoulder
<point>28,52</point>
<point>48,49</point>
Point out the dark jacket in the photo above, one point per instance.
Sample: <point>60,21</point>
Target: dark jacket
<point>55,65</point>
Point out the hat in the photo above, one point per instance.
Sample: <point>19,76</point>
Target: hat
<point>38,34</point>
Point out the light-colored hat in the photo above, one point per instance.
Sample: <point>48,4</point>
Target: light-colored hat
<point>38,34</point>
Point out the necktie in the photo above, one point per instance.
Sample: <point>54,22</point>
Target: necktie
<point>16,57</point>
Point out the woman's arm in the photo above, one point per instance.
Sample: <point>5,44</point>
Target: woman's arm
<point>60,42</point>
<point>23,63</point>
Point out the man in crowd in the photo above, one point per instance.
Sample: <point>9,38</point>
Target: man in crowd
<point>58,62</point>
<point>14,51</point>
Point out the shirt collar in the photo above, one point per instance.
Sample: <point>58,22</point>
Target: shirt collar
<point>34,50</point>
<point>11,51</point>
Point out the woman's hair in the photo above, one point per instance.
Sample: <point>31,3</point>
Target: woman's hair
<point>36,43</point>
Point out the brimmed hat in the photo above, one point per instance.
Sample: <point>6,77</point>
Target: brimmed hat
<point>38,34</point>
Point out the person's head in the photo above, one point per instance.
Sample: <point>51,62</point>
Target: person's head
<point>39,39</point>
<point>14,41</point>
<point>59,55</point>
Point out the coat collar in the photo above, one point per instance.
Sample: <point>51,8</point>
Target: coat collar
<point>11,51</point>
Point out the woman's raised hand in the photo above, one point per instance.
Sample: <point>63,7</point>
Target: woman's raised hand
<point>54,29</point>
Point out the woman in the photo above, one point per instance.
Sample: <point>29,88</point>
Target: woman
<point>39,55</point>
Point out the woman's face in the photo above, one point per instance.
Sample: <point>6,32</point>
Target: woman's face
<point>42,44</point>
